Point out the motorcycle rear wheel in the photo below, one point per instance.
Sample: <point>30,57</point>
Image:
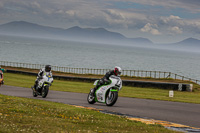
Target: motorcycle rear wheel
<point>91,99</point>
<point>34,92</point>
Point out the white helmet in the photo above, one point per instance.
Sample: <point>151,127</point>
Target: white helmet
<point>117,71</point>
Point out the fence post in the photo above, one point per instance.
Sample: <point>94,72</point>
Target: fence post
<point>159,74</point>
<point>169,75</point>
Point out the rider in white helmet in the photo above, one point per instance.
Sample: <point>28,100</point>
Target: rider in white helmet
<point>117,72</point>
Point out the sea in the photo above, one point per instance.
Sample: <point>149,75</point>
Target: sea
<point>74,54</point>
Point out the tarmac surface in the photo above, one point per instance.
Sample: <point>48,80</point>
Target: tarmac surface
<point>174,112</point>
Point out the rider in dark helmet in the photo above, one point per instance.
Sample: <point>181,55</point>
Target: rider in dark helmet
<point>48,68</point>
<point>41,74</point>
<point>117,72</point>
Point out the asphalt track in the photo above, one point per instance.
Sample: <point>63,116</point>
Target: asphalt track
<point>181,113</point>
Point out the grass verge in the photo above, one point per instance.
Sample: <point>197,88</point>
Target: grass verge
<point>31,115</point>
<point>83,87</point>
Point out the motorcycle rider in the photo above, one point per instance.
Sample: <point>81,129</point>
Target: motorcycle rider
<point>2,69</point>
<point>41,74</point>
<point>1,74</point>
<point>105,80</point>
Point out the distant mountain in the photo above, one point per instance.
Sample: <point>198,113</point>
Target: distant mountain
<point>189,42</point>
<point>28,29</point>
<point>141,40</point>
<point>93,34</point>
<point>99,35</point>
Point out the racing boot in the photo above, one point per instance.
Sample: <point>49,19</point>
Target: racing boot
<point>35,86</point>
<point>93,91</point>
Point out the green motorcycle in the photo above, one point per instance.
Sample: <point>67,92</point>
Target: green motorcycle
<point>107,93</point>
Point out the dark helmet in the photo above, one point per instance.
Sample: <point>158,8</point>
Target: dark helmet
<point>117,71</point>
<point>48,68</point>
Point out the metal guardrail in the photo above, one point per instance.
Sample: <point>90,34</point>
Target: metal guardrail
<point>130,73</point>
<point>146,84</point>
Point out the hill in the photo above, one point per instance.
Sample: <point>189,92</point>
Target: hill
<point>100,35</point>
<point>189,42</point>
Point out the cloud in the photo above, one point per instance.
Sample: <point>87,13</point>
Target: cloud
<point>178,25</point>
<point>151,28</point>
<point>86,13</point>
<point>175,30</point>
<point>35,4</point>
<point>192,26</point>
<point>69,12</point>
<point>156,17</point>
<point>1,4</point>
<point>190,5</point>
<point>124,19</point>
<point>171,18</point>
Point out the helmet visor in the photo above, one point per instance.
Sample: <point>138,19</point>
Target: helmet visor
<point>118,73</point>
<point>48,69</point>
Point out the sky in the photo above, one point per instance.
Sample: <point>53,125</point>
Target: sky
<point>161,21</point>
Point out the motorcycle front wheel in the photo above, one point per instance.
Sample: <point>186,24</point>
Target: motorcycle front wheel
<point>45,91</point>
<point>111,98</point>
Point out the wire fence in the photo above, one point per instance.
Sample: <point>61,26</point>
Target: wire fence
<point>130,73</point>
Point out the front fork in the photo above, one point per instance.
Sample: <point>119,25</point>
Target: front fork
<point>109,94</point>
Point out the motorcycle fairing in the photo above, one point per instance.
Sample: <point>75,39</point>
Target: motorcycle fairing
<point>100,93</point>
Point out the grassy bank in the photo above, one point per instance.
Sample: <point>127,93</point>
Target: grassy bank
<point>30,115</point>
<point>83,87</point>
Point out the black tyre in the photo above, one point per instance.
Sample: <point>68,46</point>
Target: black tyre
<point>91,99</point>
<point>34,92</point>
<point>110,101</point>
<point>45,91</point>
